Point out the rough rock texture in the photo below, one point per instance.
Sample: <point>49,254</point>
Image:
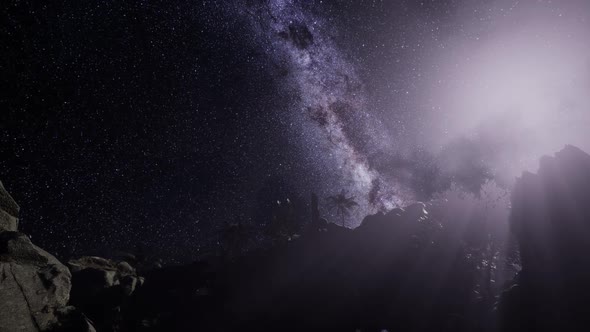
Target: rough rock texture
<point>8,211</point>
<point>34,283</point>
<point>551,220</point>
<point>35,286</point>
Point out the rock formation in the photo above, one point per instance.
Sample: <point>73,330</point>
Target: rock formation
<point>34,285</point>
<point>101,273</point>
<point>100,287</point>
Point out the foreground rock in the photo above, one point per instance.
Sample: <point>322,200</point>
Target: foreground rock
<point>551,220</point>
<point>34,285</point>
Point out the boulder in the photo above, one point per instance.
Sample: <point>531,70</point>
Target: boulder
<point>101,287</point>
<point>92,262</point>
<point>97,273</point>
<point>125,268</point>
<point>34,285</point>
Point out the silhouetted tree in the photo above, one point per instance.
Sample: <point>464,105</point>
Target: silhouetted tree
<point>342,204</point>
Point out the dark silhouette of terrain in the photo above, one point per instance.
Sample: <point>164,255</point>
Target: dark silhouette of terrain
<point>409,269</point>
<point>399,270</point>
<point>551,220</point>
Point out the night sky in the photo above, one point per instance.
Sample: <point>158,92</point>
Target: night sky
<point>151,124</point>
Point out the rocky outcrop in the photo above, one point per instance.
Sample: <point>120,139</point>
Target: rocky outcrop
<point>98,274</point>
<point>34,285</point>
<point>101,287</point>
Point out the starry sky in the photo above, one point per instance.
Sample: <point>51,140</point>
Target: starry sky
<point>151,124</point>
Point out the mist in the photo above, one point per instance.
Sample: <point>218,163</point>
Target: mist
<point>514,86</point>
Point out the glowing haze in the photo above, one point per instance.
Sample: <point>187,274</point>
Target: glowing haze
<point>503,83</point>
<point>517,90</point>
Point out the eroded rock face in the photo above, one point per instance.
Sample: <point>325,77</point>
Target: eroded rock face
<point>34,285</point>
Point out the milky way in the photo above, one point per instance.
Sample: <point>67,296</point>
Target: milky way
<point>336,128</point>
<point>517,86</point>
<point>134,124</point>
<point>477,82</point>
